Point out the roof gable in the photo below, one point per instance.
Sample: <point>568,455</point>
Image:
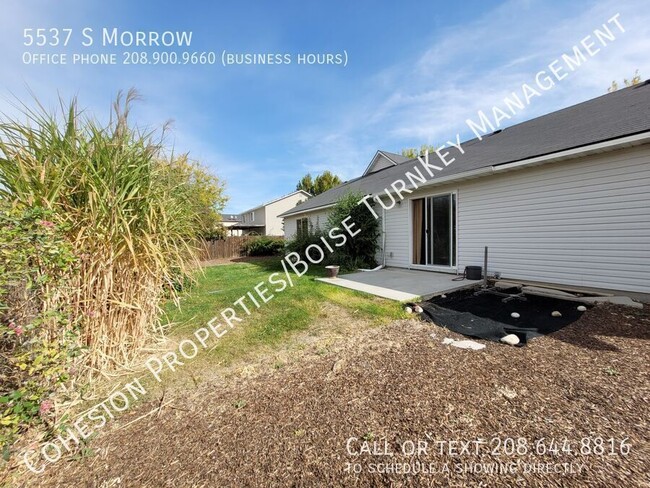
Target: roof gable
<point>382,160</point>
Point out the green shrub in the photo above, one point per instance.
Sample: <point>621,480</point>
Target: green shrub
<point>301,242</point>
<point>359,251</point>
<point>38,343</point>
<point>264,246</point>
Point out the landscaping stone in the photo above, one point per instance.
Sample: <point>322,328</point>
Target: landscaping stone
<point>464,344</point>
<point>511,339</point>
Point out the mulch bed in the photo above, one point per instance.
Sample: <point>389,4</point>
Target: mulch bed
<point>289,427</point>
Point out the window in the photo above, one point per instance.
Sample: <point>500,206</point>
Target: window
<point>302,227</point>
<point>433,229</point>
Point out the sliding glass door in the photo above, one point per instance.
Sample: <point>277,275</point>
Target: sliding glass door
<point>433,227</point>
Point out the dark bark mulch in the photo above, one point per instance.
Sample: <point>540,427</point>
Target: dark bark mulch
<point>397,384</point>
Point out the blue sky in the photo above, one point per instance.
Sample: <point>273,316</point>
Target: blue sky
<point>416,71</point>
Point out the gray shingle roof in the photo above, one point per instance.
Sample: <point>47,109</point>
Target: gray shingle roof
<point>618,114</point>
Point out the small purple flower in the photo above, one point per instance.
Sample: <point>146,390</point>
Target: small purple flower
<point>18,330</point>
<point>47,223</point>
<point>45,407</point>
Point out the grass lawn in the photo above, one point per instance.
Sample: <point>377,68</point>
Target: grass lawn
<point>295,309</point>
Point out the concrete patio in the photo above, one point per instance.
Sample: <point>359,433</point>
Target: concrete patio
<point>400,284</point>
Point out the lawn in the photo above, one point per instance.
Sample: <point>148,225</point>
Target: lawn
<point>296,309</point>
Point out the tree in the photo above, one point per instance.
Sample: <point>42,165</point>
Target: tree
<point>199,189</point>
<point>306,183</point>
<point>323,182</point>
<point>413,152</point>
<point>636,79</point>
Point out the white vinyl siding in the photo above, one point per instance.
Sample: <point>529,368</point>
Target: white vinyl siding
<point>317,220</point>
<point>584,222</point>
<point>397,228</point>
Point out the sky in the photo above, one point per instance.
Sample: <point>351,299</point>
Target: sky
<point>415,71</point>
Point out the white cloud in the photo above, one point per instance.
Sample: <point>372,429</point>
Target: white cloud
<point>473,67</point>
<point>424,98</point>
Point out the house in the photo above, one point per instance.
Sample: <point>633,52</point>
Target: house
<point>265,219</point>
<point>228,221</point>
<point>563,198</point>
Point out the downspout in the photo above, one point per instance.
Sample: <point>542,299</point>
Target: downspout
<point>383,236</point>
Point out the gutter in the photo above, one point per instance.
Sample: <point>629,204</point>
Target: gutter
<point>313,209</point>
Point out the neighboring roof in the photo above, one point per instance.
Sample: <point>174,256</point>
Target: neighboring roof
<point>246,226</point>
<point>611,116</point>
<point>303,192</point>
<point>229,218</point>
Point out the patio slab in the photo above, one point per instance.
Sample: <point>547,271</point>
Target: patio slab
<point>400,284</point>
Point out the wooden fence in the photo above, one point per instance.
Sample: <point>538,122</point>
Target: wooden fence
<point>230,247</point>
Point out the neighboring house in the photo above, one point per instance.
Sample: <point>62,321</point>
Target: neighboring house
<point>228,221</point>
<point>563,198</point>
<point>264,219</point>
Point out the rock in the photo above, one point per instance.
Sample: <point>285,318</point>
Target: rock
<point>338,366</point>
<point>511,339</point>
<point>515,315</point>
<point>443,296</point>
<point>408,309</point>
<point>465,344</point>
<point>582,308</point>
<point>417,309</point>
<point>555,313</point>
<point>508,393</point>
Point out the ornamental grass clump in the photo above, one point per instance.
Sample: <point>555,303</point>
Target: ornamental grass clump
<point>130,221</point>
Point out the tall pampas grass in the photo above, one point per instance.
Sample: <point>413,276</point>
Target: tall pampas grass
<point>131,225</point>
